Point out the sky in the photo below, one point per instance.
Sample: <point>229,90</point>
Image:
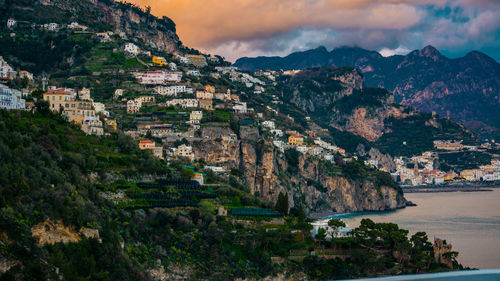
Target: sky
<point>237,28</point>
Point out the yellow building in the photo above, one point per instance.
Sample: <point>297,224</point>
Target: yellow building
<point>210,89</point>
<point>112,124</point>
<point>146,99</point>
<point>296,140</point>
<point>161,61</point>
<point>57,98</point>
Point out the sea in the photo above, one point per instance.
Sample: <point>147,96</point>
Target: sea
<point>470,221</point>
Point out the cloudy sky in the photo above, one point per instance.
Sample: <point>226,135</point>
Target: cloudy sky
<point>236,28</point>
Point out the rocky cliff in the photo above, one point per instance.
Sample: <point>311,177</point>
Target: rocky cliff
<point>334,97</point>
<point>100,15</point>
<point>314,185</point>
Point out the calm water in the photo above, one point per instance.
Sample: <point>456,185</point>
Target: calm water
<point>470,221</point>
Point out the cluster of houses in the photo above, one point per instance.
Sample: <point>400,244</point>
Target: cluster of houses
<point>318,148</point>
<point>421,170</point>
<point>8,73</point>
<point>78,107</point>
<point>52,26</point>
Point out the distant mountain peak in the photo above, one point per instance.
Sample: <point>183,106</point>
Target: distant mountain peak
<point>429,52</point>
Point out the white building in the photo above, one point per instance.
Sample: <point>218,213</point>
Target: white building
<point>170,90</point>
<point>184,103</point>
<point>215,169</point>
<point>132,48</point>
<point>11,23</point>
<point>158,77</point>
<point>6,71</point>
<point>240,107</point>
<point>268,124</point>
<point>184,151</point>
<point>10,98</point>
<point>193,72</point>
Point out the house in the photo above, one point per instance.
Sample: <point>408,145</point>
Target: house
<point>205,104</point>
<point>204,95</point>
<point>182,59</point>
<point>197,60</point>
<point>301,148</point>
<point>92,126</point>
<point>268,124</point>
<point>23,74</point>
<point>184,103</point>
<point>198,177</point>
<point>104,36</point>
<point>296,140</point>
<point>146,144</point>
<point>131,48</point>
<point>99,107</point>
<point>170,90</point>
<point>133,106</point>
<point>184,151</point>
<point>10,98</point>
<point>158,77</point>
<point>147,99</point>
<point>193,72</point>
<point>210,89</point>
<point>58,98</point>
<point>11,23</point>
<point>111,124</point>
<point>195,117</point>
<point>84,94</point>
<point>51,26</point>
<point>77,26</point>
<point>150,145</point>
<point>161,61</point>
<point>215,169</point>
<point>240,107</point>
<point>6,71</point>
<point>280,145</point>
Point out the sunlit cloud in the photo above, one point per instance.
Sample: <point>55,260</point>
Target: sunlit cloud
<point>235,28</point>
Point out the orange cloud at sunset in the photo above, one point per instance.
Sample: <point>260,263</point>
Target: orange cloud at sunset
<point>205,23</point>
<point>235,28</point>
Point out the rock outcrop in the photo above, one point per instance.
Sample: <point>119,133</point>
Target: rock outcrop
<point>49,232</point>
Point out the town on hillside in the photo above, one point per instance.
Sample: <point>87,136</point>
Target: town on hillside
<point>170,101</point>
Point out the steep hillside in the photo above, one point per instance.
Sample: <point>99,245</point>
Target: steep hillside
<point>334,97</point>
<point>465,89</point>
<point>39,51</point>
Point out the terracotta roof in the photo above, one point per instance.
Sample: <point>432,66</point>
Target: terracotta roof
<point>58,92</point>
<point>146,141</point>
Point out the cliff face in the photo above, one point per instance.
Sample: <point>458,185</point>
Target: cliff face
<point>314,186</point>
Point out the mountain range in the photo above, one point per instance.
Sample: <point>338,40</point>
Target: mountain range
<point>465,89</point>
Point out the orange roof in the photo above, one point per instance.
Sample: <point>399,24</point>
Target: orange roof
<point>146,141</point>
<point>58,92</point>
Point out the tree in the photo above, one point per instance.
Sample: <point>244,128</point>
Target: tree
<point>321,235</point>
<point>336,224</point>
<point>282,203</point>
